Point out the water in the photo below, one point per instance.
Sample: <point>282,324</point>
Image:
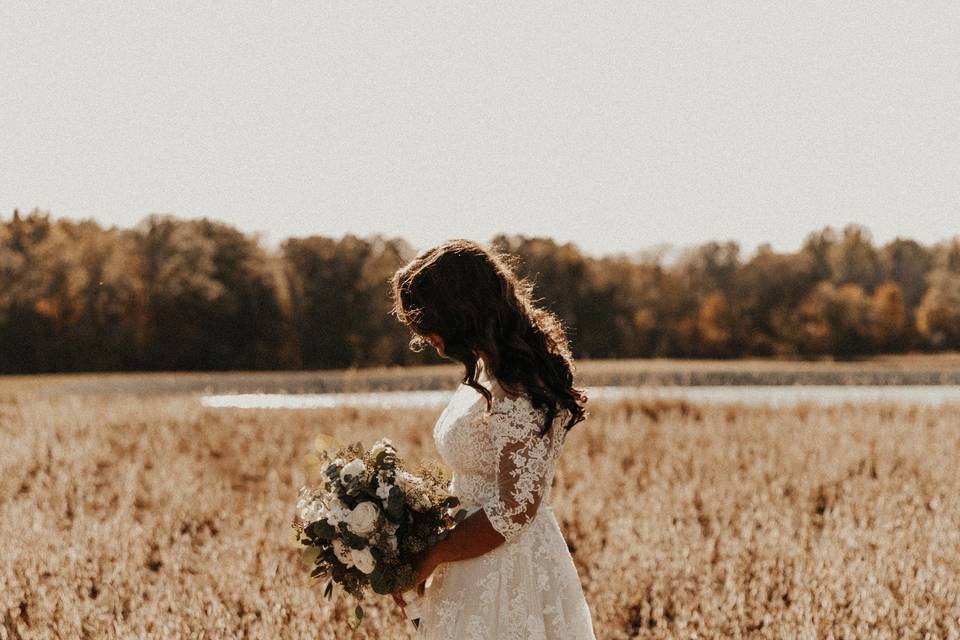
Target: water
<point>755,395</point>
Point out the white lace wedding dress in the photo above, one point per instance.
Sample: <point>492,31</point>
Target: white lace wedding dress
<point>528,587</point>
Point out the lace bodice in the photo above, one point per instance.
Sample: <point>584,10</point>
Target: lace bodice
<point>500,462</point>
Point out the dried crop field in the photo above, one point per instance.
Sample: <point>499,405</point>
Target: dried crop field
<point>129,515</point>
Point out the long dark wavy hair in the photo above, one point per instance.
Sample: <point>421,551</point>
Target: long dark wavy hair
<point>470,295</point>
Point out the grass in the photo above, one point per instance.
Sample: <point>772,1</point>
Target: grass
<point>147,515</point>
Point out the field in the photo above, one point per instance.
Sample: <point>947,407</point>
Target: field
<point>129,510</point>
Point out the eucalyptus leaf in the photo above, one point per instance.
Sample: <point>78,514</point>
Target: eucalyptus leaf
<point>353,540</point>
<point>379,582</point>
<point>322,529</point>
<point>325,443</point>
<point>332,471</point>
<point>313,467</point>
<point>395,504</point>
<point>309,555</point>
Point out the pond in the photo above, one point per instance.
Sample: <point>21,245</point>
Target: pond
<point>775,395</point>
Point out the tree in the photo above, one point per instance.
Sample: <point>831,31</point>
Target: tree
<point>69,296</point>
<point>946,255</point>
<point>906,263</point>
<point>766,290</point>
<point>938,317</point>
<point>212,298</point>
<point>711,266</point>
<point>27,313</point>
<point>853,259</point>
<point>832,320</point>
<point>715,325</point>
<point>817,248</point>
<point>198,294</point>
<point>341,302</point>
<point>891,324</point>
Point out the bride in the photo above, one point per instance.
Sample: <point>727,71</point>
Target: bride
<point>505,571</point>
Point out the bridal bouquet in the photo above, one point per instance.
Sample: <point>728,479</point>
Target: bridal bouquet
<point>369,518</point>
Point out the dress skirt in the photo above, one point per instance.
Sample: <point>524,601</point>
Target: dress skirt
<point>525,589</point>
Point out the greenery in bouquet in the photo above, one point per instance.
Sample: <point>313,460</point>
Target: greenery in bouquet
<point>367,520</point>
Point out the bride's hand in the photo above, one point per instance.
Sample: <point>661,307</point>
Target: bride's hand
<point>423,570</point>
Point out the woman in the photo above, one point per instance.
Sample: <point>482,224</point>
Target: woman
<point>505,571</point>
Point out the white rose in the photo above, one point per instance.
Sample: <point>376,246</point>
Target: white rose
<point>363,560</point>
<point>353,468</point>
<point>363,518</point>
<point>337,512</point>
<point>343,553</point>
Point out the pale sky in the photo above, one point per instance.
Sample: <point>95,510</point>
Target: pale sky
<point>615,125</point>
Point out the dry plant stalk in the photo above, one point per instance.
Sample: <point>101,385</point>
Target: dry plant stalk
<point>132,516</point>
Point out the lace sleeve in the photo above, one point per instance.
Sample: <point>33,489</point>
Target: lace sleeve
<point>522,465</point>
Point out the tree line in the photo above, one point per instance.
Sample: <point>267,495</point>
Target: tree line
<point>188,294</point>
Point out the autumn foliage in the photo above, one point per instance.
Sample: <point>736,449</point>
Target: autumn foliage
<point>176,294</point>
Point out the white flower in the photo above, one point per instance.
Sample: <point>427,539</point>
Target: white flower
<point>312,511</point>
<point>383,444</point>
<point>383,489</point>
<point>302,502</point>
<point>337,512</point>
<point>343,552</point>
<point>310,508</point>
<point>363,518</point>
<point>353,468</point>
<point>408,482</point>
<point>363,560</point>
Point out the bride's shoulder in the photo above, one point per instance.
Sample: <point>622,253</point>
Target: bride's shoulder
<point>516,406</point>
<point>504,398</point>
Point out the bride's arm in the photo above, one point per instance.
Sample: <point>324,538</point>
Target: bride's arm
<point>473,537</point>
